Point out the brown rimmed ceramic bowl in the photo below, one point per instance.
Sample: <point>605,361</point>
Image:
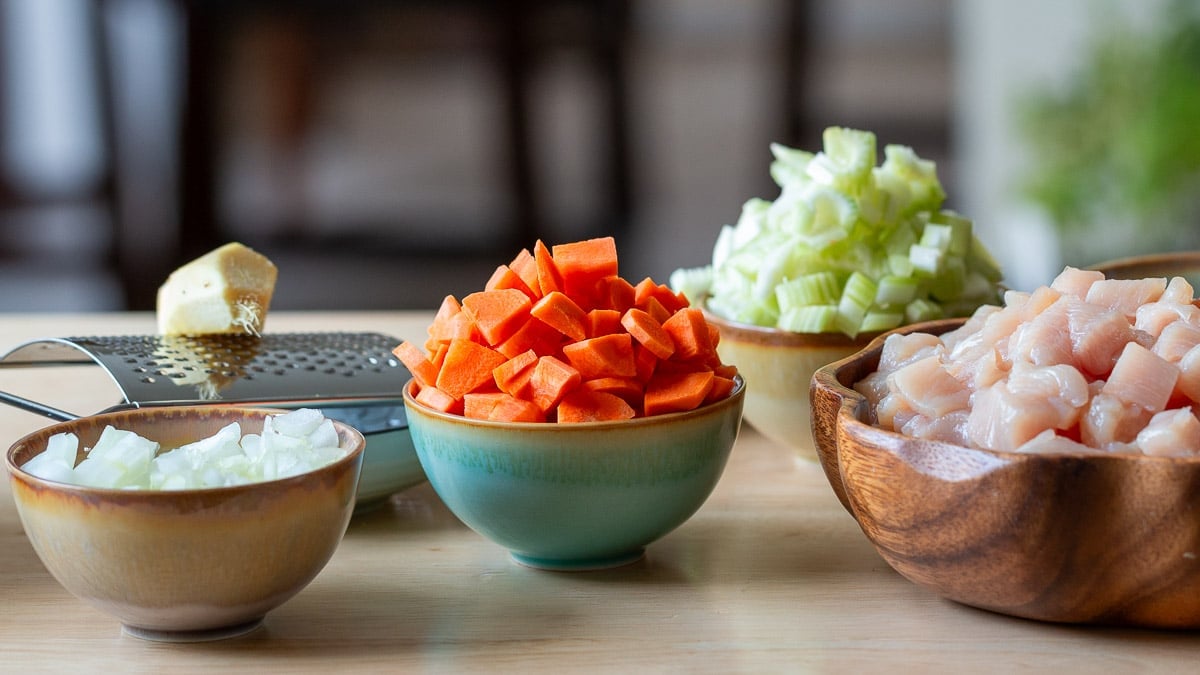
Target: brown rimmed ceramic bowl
<point>185,565</point>
<point>778,366</point>
<point>1075,538</point>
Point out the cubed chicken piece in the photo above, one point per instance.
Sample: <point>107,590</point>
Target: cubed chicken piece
<point>1189,375</point>
<point>1099,335</point>
<point>1171,433</point>
<point>1076,282</point>
<point>950,428</point>
<point>1126,295</point>
<point>1179,291</point>
<point>1109,421</point>
<point>1032,400</point>
<point>1044,340</point>
<point>1142,378</point>
<point>1050,441</point>
<point>1154,317</point>
<point>1176,340</point>
<point>929,389</point>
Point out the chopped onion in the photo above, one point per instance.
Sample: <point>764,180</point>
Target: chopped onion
<point>290,444</point>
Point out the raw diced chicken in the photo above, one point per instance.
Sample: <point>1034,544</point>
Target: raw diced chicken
<point>929,389</point>
<point>1099,334</point>
<point>1050,441</point>
<point>1126,295</point>
<point>1046,339</point>
<point>1155,316</point>
<point>1171,432</point>
<point>950,428</point>
<point>1142,378</point>
<point>1076,282</point>
<point>1033,399</point>
<point>1109,420</point>
<point>1177,339</point>
<point>1189,375</point>
<point>1086,364</point>
<point>1178,290</point>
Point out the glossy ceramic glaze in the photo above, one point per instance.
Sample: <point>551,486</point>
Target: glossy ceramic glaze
<point>1079,538</point>
<point>189,564</point>
<point>576,496</point>
<point>778,367</point>
<point>390,465</point>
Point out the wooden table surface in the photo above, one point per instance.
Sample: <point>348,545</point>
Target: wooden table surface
<point>771,575</point>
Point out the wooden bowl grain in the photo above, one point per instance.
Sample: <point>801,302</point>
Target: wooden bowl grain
<point>1071,538</point>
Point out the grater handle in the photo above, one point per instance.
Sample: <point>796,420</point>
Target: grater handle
<point>36,408</point>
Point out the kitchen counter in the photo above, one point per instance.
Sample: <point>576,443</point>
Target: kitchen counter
<point>770,575</point>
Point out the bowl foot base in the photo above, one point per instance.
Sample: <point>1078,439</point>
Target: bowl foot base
<point>580,565</point>
<point>206,635</point>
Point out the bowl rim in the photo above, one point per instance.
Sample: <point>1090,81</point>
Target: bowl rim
<point>17,473</point>
<point>734,397</point>
<point>1132,265</point>
<point>851,403</point>
<point>748,332</point>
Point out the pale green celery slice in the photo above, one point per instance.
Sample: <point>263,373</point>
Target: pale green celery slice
<point>789,164</point>
<point>809,319</point>
<point>920,174</point>
<point>926,259</point>
<point>857,297</point>
<point>937,236</point>
<point>922,309</point>
<point>899,264</point>
<point>879,321</point>
<point>896,290</point>
<point>694,282</point>
<point>950,281</point>
<point>820,288</point>
<point>961,230</point>
<point>846,160</point>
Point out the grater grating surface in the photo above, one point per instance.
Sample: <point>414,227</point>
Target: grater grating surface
<point>340,370</point>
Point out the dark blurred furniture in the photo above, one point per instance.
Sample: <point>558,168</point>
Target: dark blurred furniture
<point>517,38</point>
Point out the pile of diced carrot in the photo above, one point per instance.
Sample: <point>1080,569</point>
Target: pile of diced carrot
<point>558,336</point>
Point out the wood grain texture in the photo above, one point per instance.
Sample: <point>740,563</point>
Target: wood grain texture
<point>770,575</point>
<point>1081,538</point>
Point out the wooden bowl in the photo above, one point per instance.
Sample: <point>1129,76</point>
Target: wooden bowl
<point>1184,264</point>
<point>1073,538</point>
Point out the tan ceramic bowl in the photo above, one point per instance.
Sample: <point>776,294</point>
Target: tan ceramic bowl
<point>187,564</point>
<point>778,366</point>
<point>1078,538</point>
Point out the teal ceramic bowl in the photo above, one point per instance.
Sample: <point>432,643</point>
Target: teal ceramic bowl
<point>576,496</point>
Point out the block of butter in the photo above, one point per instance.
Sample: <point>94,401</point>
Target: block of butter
<point>227,290</point>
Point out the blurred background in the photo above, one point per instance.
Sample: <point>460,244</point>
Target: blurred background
<point>384,154</point>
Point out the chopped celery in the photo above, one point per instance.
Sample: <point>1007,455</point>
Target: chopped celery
<point>819,288</point>
<point>810,319</point>
<point>846,244</point>
<point>874,322</point>
<point>896,290</point>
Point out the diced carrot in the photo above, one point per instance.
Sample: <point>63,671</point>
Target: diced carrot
<point>440,329</point>
<point>605,356</point>
<point>583,405</point>
<point>512,376</point>
<point>628,388</point>
<point>645,361</point>
<point>647,288</point>
<point>689,331</point>
<point>615,293</point>
<point>516,410</point>
<point>714,334</point>
<point>551,380</point>
<point>438,400</point>
<point>655,309</point>
<point>727,370</point>
<point>479,406</point>
<point>439,356</point>
<point>648,332</point>
<point>413,358</point>
<point>582,264</point>
<point>467,368</point>
<point>603,322</point>
<point>722,387</point>
<point>498,314</point>
<point>557,310</point>
<point>676,392</point>
<point>526,267</point>
<point>549,279</point>
<point>463,327</point>
<point>535,335</point>
<point>506,277</point>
